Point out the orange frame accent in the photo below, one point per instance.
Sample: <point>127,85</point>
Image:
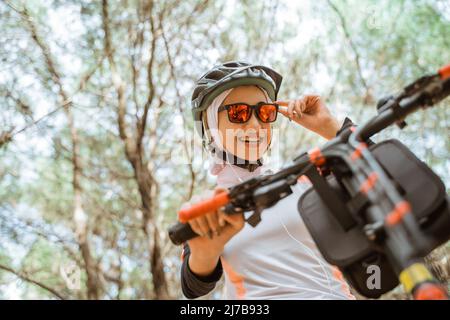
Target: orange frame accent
<point>369,183</point>
<point>358,151</point>
<point>400,211</point>
<point>316,157</point>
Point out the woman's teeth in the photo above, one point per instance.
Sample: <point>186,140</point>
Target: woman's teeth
<point>250,140</point>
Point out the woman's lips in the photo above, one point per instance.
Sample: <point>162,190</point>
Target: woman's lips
<point>251,141</point>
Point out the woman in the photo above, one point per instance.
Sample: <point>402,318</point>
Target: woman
<point>233,109</point>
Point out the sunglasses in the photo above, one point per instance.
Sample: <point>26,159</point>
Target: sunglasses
<point>241,112</point>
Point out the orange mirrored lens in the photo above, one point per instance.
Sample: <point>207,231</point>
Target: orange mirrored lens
<point>267,113</point>
<point>239,113</point>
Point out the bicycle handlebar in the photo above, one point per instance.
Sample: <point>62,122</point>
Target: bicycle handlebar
<point>203,207</point>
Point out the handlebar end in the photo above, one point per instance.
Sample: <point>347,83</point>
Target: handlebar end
<point>444,72</point>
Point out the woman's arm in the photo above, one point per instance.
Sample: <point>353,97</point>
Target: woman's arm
<point>194,285</point>
<point>201,267</point>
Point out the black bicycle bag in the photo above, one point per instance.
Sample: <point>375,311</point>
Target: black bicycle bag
<point>348,248</point>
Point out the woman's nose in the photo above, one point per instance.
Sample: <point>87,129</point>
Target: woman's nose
<point>253,122</point>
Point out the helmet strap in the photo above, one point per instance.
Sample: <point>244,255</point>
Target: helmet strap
<point>230,158</point>
<point>225,155</point>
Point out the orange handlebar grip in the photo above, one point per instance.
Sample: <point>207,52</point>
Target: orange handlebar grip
<point>430,291</point>
<point>444,72</point>
<point>203,207</point>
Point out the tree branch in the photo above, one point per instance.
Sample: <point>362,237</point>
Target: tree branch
<point>79,215</point>
<point>26,278</point>
<point>180,109</point>
<point>143,121</point>
<point>354,49</point>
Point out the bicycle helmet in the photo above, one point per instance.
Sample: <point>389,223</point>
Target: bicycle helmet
<point>229,75</point>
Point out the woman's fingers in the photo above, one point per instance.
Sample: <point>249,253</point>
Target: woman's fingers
<point>208,224</point>
<point>222,221</point>
<point>203,225</point>
<point>290,108</point>
<point>218,190</point>
<point>311,104</point>
<point>298,107</point>
<point>194,226</point>
<point>235,220</point>
<point>213,223</point>
<point>219,214</point>
<point>193,223</point>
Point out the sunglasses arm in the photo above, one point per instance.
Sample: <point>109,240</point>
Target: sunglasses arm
<point>285,109</point>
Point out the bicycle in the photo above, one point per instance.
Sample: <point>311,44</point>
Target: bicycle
<point>362,198</point>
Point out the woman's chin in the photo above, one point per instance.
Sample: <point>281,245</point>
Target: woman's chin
<point>251,151</point>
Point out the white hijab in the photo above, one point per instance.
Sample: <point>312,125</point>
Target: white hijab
<point>227,174</point>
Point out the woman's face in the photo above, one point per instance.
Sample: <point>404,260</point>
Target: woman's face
<point>246,140</point>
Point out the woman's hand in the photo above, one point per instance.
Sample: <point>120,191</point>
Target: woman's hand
<point>310,112</point>
<point>215,230</point>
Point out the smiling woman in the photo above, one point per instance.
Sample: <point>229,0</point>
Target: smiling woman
<point>235,105</point>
